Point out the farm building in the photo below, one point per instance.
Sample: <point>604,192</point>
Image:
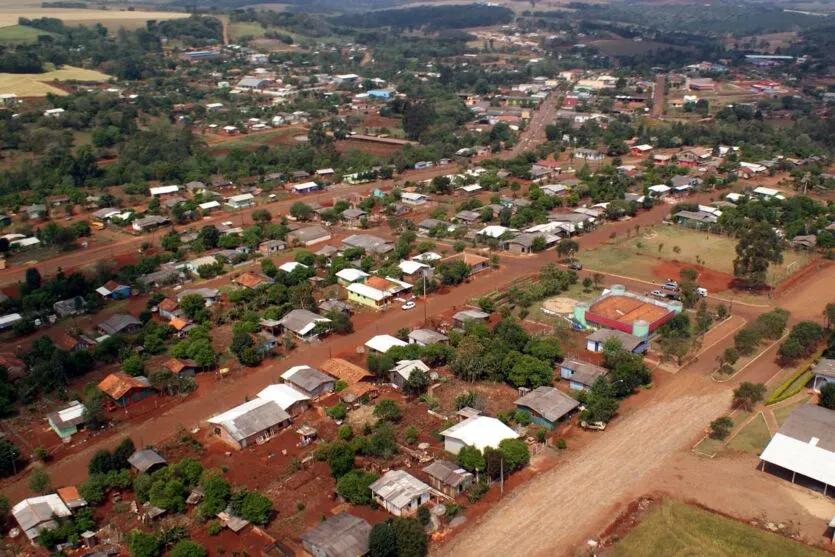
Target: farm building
<point>626,312</point>
<point>803,450</point>
<point>308,380</point>
<point>581,375</point>
<point>479,432</point>
<point>400,493</point>
<point>546,406</point>
<point>341,535</point>
<point>252,422</point>
<point>124,389</point>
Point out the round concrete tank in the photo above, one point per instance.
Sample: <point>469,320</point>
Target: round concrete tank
<point>580,309</point>
<point>640,328</point>
<point>617,289</point>
<point>676,306</point>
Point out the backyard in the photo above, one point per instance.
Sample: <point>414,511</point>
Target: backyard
<point>674,528</point>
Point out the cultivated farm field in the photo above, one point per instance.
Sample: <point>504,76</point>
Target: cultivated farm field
<point>10,14</point>
<point>674,528</point>
<point>37,85</point>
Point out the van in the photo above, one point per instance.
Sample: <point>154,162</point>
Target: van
<point>702,292</point>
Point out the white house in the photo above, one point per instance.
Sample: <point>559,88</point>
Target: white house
<point>383,343</point>
<point>38,513</point>
<point>479,432</point>
<point>164,190</point>
<point>400,493</point>
<point>241,201</point>
<point>290,400</point>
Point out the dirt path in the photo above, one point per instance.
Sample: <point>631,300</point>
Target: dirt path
<point>557,511</point>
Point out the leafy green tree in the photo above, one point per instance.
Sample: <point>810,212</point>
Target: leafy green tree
<point>411,537</point>
<point>340,458</point>
<point>9,455</point>
<point>531,372</point>
<point>254,507</point>
<point>747,340</point>
<point>417,117</point>
<point>382,541</point>
<point>388,410</point>
<point>100,463</point>
<point>757,248</point>
<point>416,384</point>
<point>827,396</point>
<point>720,428</point>
<point>515,453</point>
<point>354,487</point>
<point>188,548</point>
<point>39,481</point>
<point>471,459</point>
<point>133,365</point>
<point>747,395</point>
<point>141,544</point>
<point>301,211</point>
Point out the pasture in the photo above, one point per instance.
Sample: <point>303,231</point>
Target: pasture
<point>37,85</point>
<point>20,34</point>
<point>674,528</point>
<point>112,19</point>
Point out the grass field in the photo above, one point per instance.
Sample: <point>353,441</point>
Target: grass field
<point>255,139</point>
<point>35,85</point>
<point>783,412</point>
<point>241,29</point>
<point>109,18</point>
<point>19,34</point>
<point>677,529</point>
<point>637,255</point>
<point>752,438</point>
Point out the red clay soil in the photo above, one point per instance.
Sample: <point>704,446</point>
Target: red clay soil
<point>370,147</point>
<point>377,121</point>
<point>800,276</point>
<point>714,281</point>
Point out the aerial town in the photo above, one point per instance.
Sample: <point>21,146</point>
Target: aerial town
<point>373,278</point>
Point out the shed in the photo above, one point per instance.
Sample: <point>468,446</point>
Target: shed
<point>67,421</point>
<point>400,493</point>
<point>146,460</point>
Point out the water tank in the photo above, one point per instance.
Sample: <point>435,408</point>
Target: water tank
<point>640,328</point>
<point>617,289</point>
<point>580,309</point>
<point>676,306</point>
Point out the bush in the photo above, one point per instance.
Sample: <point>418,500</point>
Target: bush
<point>214,528</point>
<point>720,428</point>
<point>423,515</point>
<point>388,410</point>
<point>354,487</point>
<point>411,434</point>
<point>345,432</point>
<point>561,444</point>
<point>188,548</point>
<point>827,397</point>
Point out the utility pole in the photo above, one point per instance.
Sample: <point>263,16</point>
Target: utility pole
<point>501,473</point>
<point>425,300</point>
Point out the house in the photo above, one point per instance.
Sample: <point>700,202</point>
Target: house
<point>581,375</point>
<point>341,535</point>
<point>546,406</point>
<point>209,295</point>
<point>271,247</point>
<point>181,366</point>
<point>368,242</point>
<point>468,189</point>
<point>112,290</point>
<point>425,337</point>
<point>251,280</point>
<point>804,447</point>
<point>120,324</point>
<point>349,275</point>
<point>822,373</point>
<point>254,83</point>
<point>73,343</point>
<point>71,497</point>
<point>290,400</point>
<point>149,223</point>
<point>252,422</point>
<point>461,318</point>
<point>554,189</point>
<point>479,432</point>
<point>659,190</point>
<point>415,270</point>
<point>304,324</point>
<point>35,514</point>
<point>309,381</point>
<point>36,211</point>
<point>401,372</point>
<point>807,242</point>
<point>588,155</point>
<point>494,231</point>
<point>291,266</point>
<point>475,262</point>
<point>383,343</point>
<point>447,477</point>
<point>306,187</point>
<point>524,243</point>
<point>467,217</point>
<point>309,235</point>
<point>642,149</point>
<point>365,295</point>
<point>596,340</point>
<point>242,201</point>
<point>71,306</point>
<point>353,216</point>
<point>67,421</point>
<point>159,191</point>
<point>427,226</point>
<point>413,198</point>
<point>168,309</point>
<point>146,461</point>
<point>399,492</point>
<point>695,218</point>
<point>265,342</point>
<point>124,389</point>
<point>344,370</point>
<point>684,182</point>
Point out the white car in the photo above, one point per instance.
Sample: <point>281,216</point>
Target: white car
<point>408,305</point>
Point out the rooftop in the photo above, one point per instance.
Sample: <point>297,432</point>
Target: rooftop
<point>548,402</point>
<point>345,370</point>
<point>341,535</point>
<point>399,488</point>
<point>480,432</point>
<point>306,377</point>
<point>250,418</point>
<point>628,309</point>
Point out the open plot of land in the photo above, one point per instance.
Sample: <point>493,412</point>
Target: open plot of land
<point>753,437</point>
<point>253,140</point>
<point>242,29</point>
<point>37,85</point>
<point>10,16</point>
<point>658,253</point>
<point>679,529</point>
<point>16,34</point>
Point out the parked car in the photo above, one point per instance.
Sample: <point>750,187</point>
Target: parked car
<point>408,305</point>
<point>658,293</point>
<point>671,296</point>
<point>576,266</point>
<point>670,286</point>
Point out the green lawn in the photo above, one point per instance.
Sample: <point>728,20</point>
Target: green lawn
<point>675,529</point>
<point>636,256</point>
<point>783,412</point>
<point>752,438</point>
<point>241,29</point>
<point>17,34</point>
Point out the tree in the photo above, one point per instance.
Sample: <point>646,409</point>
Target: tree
<point>301,211</point>
<point>354,487</point>
<point>416,384</point>
<point>388,411</point>
<point>454,272</point>
<point>100,463</point>
<point>382,542</point>
<point>827,397</point>
<point>747,395</point>
<point>253,507</point>
<point>515,453</point>
<point>417,117</point>
<point>720,428</point>
<point>188,548</point>
<point>9,454</point>
<point>471,459</point>
<point>33,279</point>
<point>141,544</point>
<point>209,236</point>
<point>411,537</point>
<point>531,372</point>
<point>133,365</point>
<point>192,305</point>
<point>340,458</point>
<point>829,315</point>
<point>261,215</point>
<point>39,481</point>
<point>757,248</point>
<point>773,323</point>
<point>567,247</point>
<point>747,340</point>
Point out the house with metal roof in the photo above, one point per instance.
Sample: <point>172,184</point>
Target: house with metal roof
<point>425,337</point>
<point>120,323</point>
<point>580,375</point>
<point>823,373</point>
<point>368,242</point>
<point>309,381</point>
<point>341,535</point>
<point>448,477</point>
<point>309,235</point>
<point>305,325</point>
<point>463,317</point>
<point>596,340</point>
<point>253,422</point>
<point>383,343</point>
<point>349,275</point>
<point>124,389</point>
<point>35,514</point>
<point>146,460</point>
<point>401,372</point>
<point>479,432</point>
<point>67,421</point>
<point>546,406</point>
<point>400,493</point>
<point>366,295</point>
<point>292,401</point>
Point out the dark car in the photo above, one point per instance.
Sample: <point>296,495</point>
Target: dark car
<point>576,266</point>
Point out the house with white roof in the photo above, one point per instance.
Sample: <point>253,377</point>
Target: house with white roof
<point>349,275</point>
<point>768,193</point>
<point>253,422</point>
<point>291,266</point>
<point>401,372</point>
<point>415,269</point>
<point>494,231</point>
<point>163,190</point>
<point>400,493</point>
<point>479,432</point>
<point>292,401</point>
<point>413,198</point>
<point>369,296</point>
<point>383,343</point>
<point>35,514</point>
<point>242,201</point>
